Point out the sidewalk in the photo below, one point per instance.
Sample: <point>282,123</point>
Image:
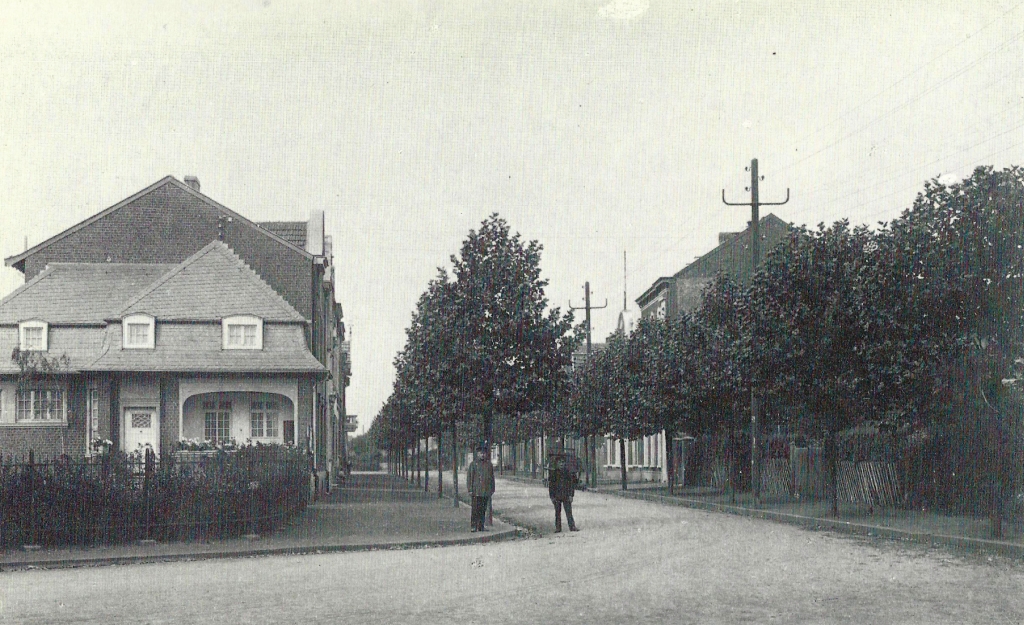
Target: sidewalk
<point>372,511</point>
<point>921,527</point>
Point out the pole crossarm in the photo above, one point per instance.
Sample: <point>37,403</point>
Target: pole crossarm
<point>755,248</point>
<point>728,203</point>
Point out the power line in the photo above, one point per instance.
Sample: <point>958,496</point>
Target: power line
<point>907,103</point>
<point>899,81</point>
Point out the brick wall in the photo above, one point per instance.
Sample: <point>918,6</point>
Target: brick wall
<point>169,416</point>
<point>49,441</point>
<point>304,413</point>
<point>167,226</point>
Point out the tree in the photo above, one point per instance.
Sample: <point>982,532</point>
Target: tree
<point>807,300</point>
<point>957,257</point>
<point>511,349</point>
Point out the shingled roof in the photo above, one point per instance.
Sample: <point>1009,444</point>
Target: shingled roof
<point>211,284</point>
<point>292,231</point>
<point>78,292</point>
<point>196,347</point>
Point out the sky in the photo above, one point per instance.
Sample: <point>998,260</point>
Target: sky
<point>595,127</point>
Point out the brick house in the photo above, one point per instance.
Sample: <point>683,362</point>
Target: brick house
<point>150,354</point>
<point>168,223</point>
<point>671,296</point>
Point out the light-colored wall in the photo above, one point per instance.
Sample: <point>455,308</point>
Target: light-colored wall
<point>194,422</point>
<point>239,390</point>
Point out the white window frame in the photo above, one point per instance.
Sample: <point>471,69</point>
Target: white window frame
<point>265,418</point>
<point>36,403</point>
<point>219,411</point>
<point>242,321</point>
<point>33,325</point>
<point>138,319</point>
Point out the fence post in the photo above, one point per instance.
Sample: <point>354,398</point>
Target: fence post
<point>252,495</point>
<point>147,490</point>
<point>32,497</point>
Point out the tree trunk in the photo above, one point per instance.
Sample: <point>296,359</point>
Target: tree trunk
<point>426,465</point>
<point>730,464</point>
<point>455,465</point>
<point>532,457</point>
<point>515,458</point>
<point>622,461</point>
<point>440,467</point>
<point>417,453</point>
<point>670,466</point>
<point>995,475</point>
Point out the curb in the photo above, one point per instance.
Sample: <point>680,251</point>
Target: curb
<point>509,534</point>
<point>959,543</point>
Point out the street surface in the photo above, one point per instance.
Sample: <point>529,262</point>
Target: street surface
<point>633,562</point>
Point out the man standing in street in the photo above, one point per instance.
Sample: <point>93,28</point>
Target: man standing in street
<point>480,482</point>
<point>563,473</point>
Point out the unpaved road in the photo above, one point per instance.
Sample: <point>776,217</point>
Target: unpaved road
<point>634,562</point>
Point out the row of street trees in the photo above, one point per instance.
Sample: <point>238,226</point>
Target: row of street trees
<point>483,351</point>
<point>915,325</point>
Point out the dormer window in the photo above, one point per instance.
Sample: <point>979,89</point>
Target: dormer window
<point>138,332</point>
<point>32,336</point>
<point>243,332</point>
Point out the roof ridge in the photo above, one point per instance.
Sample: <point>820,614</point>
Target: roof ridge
<point>278,299</point>
<point>249,272</point>
<point>10,261</point>
<point>170,274</point>
<point>235,215</point>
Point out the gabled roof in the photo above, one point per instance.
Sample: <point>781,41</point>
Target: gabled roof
<point>78,293</point>
<point>211,284</point>
<point>13,261</point>
<point>292,231</point>
<point>732,256</point>
<point>659,285</point>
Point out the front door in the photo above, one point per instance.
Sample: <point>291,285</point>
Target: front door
<point>141,428</point>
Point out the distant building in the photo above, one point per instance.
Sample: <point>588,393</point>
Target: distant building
<point>668,297</point>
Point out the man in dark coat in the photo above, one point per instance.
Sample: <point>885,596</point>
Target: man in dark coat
<point>480,483</point>
<point>563,473</point>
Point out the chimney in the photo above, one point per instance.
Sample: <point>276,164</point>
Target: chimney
<point>315,233</point>
<point>193,182</point>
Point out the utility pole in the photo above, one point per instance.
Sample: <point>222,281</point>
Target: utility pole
<point>755,249</point>
<point>592,450</point>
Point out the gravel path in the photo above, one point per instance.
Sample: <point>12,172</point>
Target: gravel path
<point>632,562</point>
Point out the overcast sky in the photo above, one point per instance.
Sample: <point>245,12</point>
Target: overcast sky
<point>594,127</point>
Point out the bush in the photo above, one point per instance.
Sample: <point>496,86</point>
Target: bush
<point>119,498</point>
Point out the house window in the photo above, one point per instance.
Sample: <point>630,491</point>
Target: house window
<point>139,332</point>
<point>41,404</point>
<point>263,419</point>
<point>33,335</point>
<point>243,332</point>
<point>217,426</point>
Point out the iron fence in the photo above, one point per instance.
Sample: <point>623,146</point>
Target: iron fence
<point>120,498</point>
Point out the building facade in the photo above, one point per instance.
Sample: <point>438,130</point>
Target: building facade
<point>168,223</point>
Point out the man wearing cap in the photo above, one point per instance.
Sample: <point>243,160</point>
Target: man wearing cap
<point>480,482</point>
